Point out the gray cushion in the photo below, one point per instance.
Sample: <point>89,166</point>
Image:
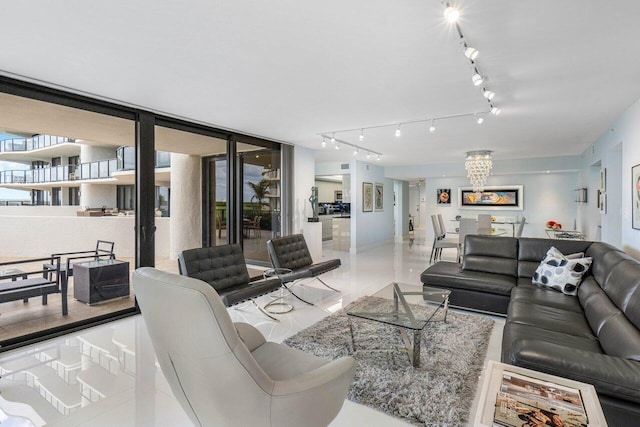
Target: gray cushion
<point>543,296</point>
<point>549,318</point>
<point>488,254</point>
<point>451,275</point>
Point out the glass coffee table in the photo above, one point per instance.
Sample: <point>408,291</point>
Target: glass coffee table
<point>398,308</point>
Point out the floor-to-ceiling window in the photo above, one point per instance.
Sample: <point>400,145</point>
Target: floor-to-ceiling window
<point>150,184</point>
<point>261,194</point>
<point>63,159</point>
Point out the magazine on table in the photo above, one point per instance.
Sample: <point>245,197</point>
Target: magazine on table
<point>526,401</point>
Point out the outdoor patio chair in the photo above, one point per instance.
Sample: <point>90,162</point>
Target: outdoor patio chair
<point>226,374</point>
<point>224,268</point>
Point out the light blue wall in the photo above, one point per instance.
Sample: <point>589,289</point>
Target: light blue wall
<point>370,229</point>
<point>624,135</point>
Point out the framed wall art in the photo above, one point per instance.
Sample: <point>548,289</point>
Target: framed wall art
<point>603,180</point>
<point>444,196</point>
<point>508,197</point>
<point>635,197</point>
<point>379,197</point>
<point>367,197</point>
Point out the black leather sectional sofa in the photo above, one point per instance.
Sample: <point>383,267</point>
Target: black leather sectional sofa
<point>593,337</point>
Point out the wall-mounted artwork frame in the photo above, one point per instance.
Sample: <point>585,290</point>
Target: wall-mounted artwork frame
<point>379,197</point>
<point>603,180</point>
<point>505,197</point>
<point>337,195</point>
<point>603,203</point>
<point>367,197</point>
<point>635,197</point>
<point>444,196</point>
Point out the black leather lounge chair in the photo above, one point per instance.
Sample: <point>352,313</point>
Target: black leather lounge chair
<point>224,268</point>
<point>291,252</point>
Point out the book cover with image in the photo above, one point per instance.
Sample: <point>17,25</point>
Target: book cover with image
<point>518,411</point>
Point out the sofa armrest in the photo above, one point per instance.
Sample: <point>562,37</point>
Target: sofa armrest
<point>611,376</point>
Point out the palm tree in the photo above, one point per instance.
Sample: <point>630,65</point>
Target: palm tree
<point>260,190</point>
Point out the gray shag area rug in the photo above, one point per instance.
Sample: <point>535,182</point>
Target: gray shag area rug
<point>439,393</point>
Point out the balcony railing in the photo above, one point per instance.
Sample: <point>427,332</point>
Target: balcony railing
<point>84,171</point>
<point>35,143</point>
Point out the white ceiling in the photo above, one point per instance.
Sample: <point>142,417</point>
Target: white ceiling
<point>562,71</point>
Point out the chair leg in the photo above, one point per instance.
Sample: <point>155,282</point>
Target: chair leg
<point>260,309</point>
<point>263,311</point>
<point>291,292</point>
<point>322,281</point>
<point>433,250</point>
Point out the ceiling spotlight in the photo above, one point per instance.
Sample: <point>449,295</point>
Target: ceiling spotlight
<point>488,94</point>
<point>379,156</point>
<point>355,152</point>
<point>361,134</point>
<point>398,132</point>
<point>337,145</point>
<point>477,79</point>
<point>333,138</point>
<point>495,110</point>
<point>479,119</point>
<point>451,13</point>
<point>432,128</point>
<point>324,142</point>
<point>368,155</point>
<point>471,53</point>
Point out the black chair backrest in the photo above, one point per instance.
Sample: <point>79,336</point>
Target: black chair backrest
<point>289,252</point>
<point>104,249</point>
<point>220,266</point>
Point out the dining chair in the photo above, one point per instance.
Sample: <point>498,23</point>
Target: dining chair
<point>484,224</point>
<point>440,242</point>
<point>467,226</point>
<point>518,232</point>
<point>443,227</point>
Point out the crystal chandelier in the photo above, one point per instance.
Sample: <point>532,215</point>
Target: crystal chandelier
<point>478,165</point>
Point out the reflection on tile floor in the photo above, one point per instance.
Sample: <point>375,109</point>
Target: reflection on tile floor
<point>107,375</point>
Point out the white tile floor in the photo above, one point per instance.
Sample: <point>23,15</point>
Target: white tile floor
<point>106,376</point>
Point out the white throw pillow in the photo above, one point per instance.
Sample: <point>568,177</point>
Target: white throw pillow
<point>558,272</point>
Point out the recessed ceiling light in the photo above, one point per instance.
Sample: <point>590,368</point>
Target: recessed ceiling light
<point>361,134</point>
<point>432,128</point>
<point>337,145</point>
<point>355,152</point>
<point>398,132</point>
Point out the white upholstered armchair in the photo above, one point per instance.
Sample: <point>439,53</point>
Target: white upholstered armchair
<point>227,374</point>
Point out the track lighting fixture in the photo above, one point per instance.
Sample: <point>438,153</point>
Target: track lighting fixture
<point>432,128</point>
<point>477,79</point>
<point>479,119</point>
<point>398,132</point>
<point>495,110</point>
<point>451,13</point>
<point>379,157</point>
<point>333,138</point>
<point>361,137</point>
<point>339,143</point>
<point>471,53</point>
<point>488,94</point>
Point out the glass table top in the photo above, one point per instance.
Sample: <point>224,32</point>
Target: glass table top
<point>401,304</point>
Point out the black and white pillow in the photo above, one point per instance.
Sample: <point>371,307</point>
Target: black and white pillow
<point>558,272</point>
